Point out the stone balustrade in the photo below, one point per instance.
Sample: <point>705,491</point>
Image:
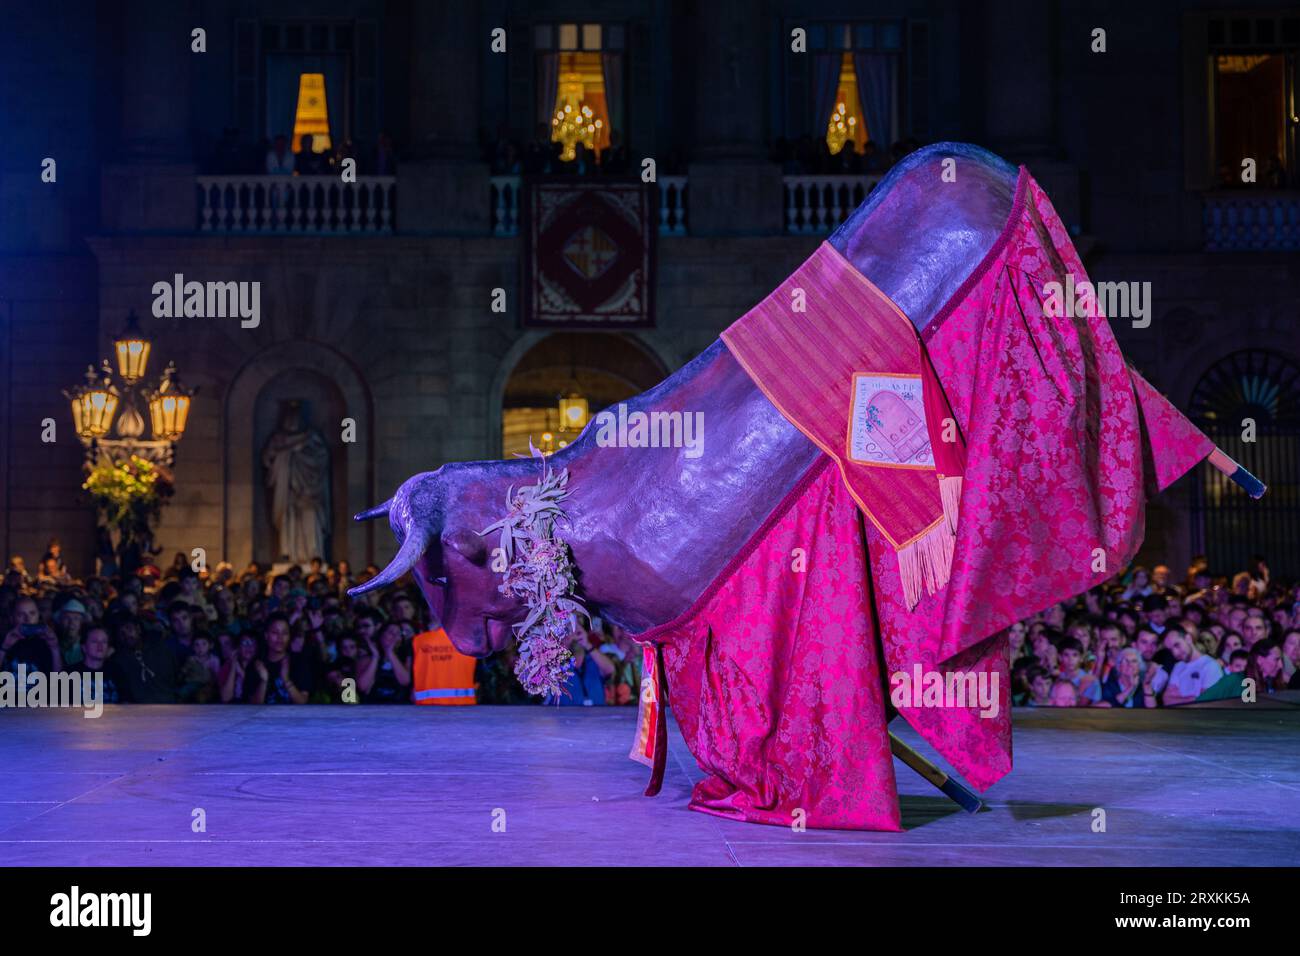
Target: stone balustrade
<point>818,204</point>
<point>1250,222</point>
<point>296,205</point>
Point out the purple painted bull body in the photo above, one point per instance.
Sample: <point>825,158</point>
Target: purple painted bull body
<point>650,528</point>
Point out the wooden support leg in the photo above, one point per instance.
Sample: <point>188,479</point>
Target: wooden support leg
<point>1249,483</point>
<point>953,788</point>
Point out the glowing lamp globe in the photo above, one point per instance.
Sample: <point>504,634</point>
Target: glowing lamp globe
<point>169,407</point>
<point>132,350</point>
<point>94,404</point>
<point>573,412</point>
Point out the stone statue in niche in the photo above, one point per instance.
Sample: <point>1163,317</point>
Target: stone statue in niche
<point>297,463</point>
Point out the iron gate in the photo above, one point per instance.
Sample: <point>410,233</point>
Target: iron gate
<point>1228,526</point>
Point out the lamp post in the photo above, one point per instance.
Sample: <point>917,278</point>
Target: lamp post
<point>127,475</point>
<point>96,402</point>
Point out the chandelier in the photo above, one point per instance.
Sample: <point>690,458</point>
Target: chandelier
<point>572,124</point>
<point>840,129</point>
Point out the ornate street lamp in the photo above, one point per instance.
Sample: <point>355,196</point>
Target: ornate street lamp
<point>169,406</point>
<point>132,350</point>
<point>94,403</point>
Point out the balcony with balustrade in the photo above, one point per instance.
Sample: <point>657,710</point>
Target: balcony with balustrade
<point>326,206</point>
<point>1251,221</point>
<point>812,205</point>
<point>296,205</point>
<point>818,204</point>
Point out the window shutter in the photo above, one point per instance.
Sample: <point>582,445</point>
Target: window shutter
<point>521,95</point>
<point>918,80</point>
<point>247,59</point>
<point>798,88</point>
<point>637,84</point>
<point>364,105</point>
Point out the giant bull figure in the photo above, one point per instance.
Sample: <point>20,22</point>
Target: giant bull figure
<point>654,530</point>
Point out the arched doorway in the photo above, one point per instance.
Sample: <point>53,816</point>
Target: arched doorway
<point>1260,387</point>
<point>598,368</point>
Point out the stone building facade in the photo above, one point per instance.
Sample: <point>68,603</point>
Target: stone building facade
<point>392,328</point>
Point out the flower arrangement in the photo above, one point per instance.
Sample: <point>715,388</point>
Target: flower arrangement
<point>129,494</point>
<point>541,573</point>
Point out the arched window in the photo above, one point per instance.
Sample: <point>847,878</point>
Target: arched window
<point>592,370</point>
<point>1249,404</point>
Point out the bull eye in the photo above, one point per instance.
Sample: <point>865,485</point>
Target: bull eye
<point>468,545</point>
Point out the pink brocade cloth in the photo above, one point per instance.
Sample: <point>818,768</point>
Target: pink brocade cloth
<point>775,674</point>
<point>774,679</point>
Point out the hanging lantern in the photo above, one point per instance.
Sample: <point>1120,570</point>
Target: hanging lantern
<point>169,407</point>
<point>132,350</point>
<point>93,404</point>
<point>573,412</point>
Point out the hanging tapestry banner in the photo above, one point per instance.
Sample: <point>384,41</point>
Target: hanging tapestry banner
<point>589,255</point>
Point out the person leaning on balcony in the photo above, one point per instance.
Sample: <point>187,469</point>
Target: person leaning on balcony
<point>385,163</point>
<point>279,158</point>
<point>307,161</point>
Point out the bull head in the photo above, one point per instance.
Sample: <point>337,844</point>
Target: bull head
<point>436,517</point>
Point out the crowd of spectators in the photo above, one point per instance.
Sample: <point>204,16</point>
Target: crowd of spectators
<point>221,636</point>
<point>180,635</point>
<point>1146,640</point>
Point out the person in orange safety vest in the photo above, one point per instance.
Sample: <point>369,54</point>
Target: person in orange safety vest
<point>442,674</point>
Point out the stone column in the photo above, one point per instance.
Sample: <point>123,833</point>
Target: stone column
<point>1022,41</point>
<point>734,188</point>
<point>442,185</point>
<point>1020,66</point>
<point>151,187</point>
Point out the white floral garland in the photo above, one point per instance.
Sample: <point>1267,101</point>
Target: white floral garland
<point>541,573</point>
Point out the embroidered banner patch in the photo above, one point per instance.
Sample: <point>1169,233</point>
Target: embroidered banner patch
<point>885,432</point>
<point>887,421</point>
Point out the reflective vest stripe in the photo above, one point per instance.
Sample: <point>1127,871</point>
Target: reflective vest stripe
<point>444,692</point>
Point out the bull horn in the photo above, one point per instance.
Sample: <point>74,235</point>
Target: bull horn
<point>416,541</point>
<point>375,512</point>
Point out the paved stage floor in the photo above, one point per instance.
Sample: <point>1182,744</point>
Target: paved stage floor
<point>334,786</point>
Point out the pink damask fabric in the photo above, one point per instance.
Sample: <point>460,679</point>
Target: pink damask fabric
<point>1172,445</point>
<point>775,674</point>
<point>774,680</point>
<point>1054,497</point>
